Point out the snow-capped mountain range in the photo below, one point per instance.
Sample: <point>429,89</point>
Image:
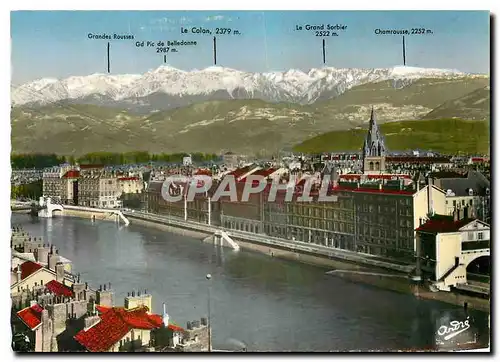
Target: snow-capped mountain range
<point>167,87</point>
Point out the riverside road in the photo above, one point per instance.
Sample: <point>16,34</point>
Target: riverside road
<point>266,303</point>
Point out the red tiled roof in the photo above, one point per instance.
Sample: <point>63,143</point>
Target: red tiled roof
<point>28,268</point>
<point>478,159</point>
<point>203,172</point>
<point>443,224</point>
<point>139,318</point>
<point>101,337</point>
<point>154,317</point>
<point>263,173</point>
<point>31,316</point>
<point>239,172</point>
<point>128,178</point>
<point>72,174</point>
<point>115,323</point>
<point>59,289</point>
<point>102,308</point>
<point>175,328</point>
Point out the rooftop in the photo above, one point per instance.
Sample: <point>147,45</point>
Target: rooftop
<point>115,323</point>
<point>415,159</point>
<point>443,224</point>
<point>31,316</point>
<point>59,289</point>
<point>28,268</point>
<point>72,174</point>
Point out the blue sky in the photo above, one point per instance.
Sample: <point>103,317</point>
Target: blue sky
<point>55,43</point>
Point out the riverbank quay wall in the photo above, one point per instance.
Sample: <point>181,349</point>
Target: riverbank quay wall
<point>397,283</point>
<point>378,220</point>
<point>314,254</point>
<point>398,280</point>
<point>113,212</point>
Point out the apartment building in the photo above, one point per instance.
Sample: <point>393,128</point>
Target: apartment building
<point>448,246</point>
<point>195,210</point>
<point>88,190</point>
<point>470,190</point>
<point>130,185</point>
<point>108,192</point>
<point>69,189</point>
<point>386,217</point>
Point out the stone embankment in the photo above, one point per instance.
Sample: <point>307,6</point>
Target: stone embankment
<point>357,268</point>
<point>351,266</point>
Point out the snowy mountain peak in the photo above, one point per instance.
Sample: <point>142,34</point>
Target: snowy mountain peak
<point>292,85</point>
<point>403,70</point>
<point>165,69</point>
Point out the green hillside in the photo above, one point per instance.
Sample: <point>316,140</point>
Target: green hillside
<point>443,135</point>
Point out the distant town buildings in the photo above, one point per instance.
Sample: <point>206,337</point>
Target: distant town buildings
<point>91,185</point>
<point>381,199</point>
<point>411,207</point>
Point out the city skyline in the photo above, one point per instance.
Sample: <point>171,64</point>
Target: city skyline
<point>268,41</point>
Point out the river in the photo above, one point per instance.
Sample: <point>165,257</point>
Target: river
<point>266,303</point>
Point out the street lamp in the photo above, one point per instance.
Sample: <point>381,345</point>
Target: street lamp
<point>209,276</point>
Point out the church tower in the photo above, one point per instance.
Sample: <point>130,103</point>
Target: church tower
<point>374,150</point>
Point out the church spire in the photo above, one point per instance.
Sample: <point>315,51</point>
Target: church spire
<point>373,130</point>
<point>374,143</point>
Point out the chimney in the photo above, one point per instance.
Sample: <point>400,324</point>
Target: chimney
<point>18,273</point>
<point>60,272</point>
<point>91,321</point>
<point>165,316</point>
<point>42,254</point>
<point>429,196</point>
<point>53,260</point>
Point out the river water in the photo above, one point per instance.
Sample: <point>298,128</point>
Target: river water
<point>265,303</point>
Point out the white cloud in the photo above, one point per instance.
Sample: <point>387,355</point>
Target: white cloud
<point>214,18</point>
<point>165,24</point>
<point>181,20</point>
